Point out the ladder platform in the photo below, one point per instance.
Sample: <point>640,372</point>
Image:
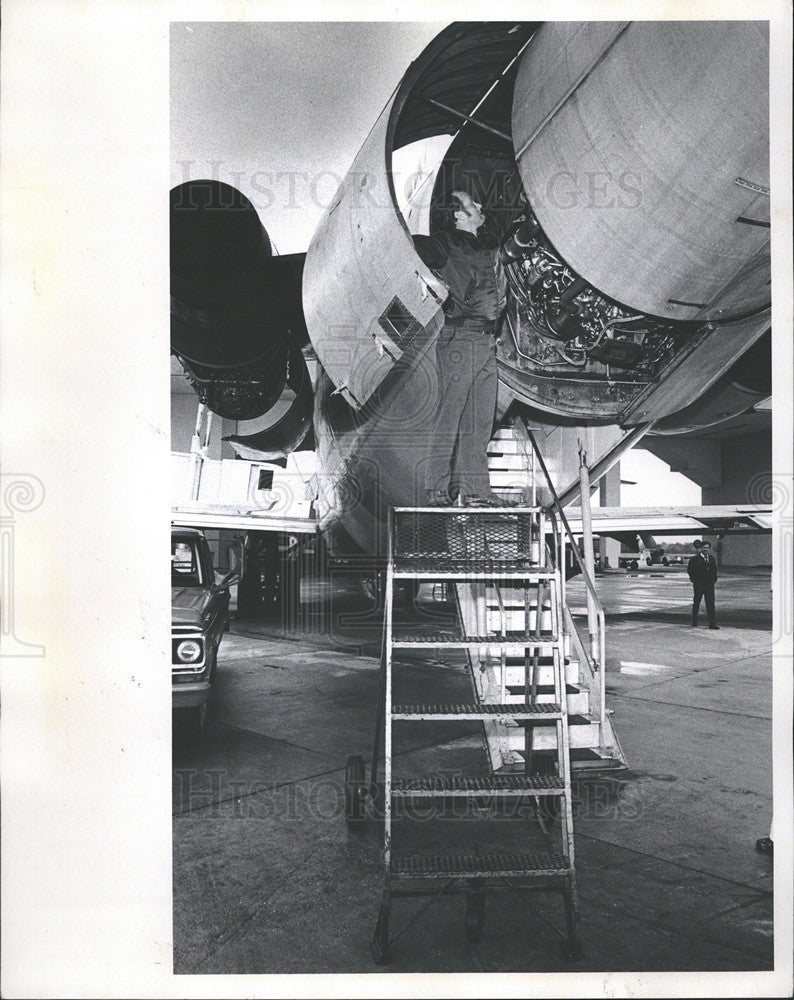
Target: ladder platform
<point>463,511</point>
<point>583,760</point>
<point>412,568</point>
<point>499,784</point>
<point>480,866</point>
<point>419,713</point>
<point>514,640</point>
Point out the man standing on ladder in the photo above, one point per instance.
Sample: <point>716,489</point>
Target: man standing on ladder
<point>467,259</point>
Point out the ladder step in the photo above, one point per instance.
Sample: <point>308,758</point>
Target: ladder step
<point>499,784</point>
<point>583,760</point>
<point>543,690</point>
<point>506,433</point>
<point>470,569</point>
<point>506,476</point>
<point>512,640</point>
<point>545,660</point>
<point>577,699</point>
<point>506,450</point>
<point>419,713</point>
<point>480,866</point>
<point>514,672</point>
<point>583,731</point>
<point>487,514</point>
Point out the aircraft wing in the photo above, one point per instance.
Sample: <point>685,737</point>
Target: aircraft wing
<point>736,519</point>
<point>211,516</point>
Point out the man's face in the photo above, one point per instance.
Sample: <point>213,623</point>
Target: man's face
<point>469,216</point>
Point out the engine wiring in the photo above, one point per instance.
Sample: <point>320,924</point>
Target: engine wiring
<point>563,316</point>
<point>529,357</point>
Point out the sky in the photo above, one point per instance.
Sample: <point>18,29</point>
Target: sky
<point>280,110</point>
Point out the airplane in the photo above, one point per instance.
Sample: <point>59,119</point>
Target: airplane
<point>648,553</point>
<point>640,237</point>
<point>640,270</point>
<point>624,167</point>
<point>636,528</point>
<point>237,325</point>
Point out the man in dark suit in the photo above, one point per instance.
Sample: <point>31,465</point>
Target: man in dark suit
<point>702,570</point>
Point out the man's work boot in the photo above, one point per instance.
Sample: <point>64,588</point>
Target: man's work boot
<point>437,498</point>
<point>489,500</point>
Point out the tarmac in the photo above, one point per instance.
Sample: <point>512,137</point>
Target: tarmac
<point>269,879</point>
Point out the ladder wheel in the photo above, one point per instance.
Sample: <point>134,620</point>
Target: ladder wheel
<point>355,813</point>
<point>475,916</point>
<point>380,939</point>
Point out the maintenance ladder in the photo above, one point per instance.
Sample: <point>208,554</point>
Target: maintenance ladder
<point>481,547</point>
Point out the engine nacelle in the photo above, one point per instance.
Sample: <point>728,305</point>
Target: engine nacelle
<point>236,314</point>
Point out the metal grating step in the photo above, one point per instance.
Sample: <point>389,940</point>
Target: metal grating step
<point>485,513</point>
<point>440,568</point>
<point>517,662</point>
<point>516,640</point>
<point>418,713</point>
<point>480,866</point>
<point>500,784</point>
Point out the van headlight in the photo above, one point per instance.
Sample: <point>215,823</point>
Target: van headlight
<point>189,651</point>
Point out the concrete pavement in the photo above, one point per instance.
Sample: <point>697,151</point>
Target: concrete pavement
<point>267,877</point>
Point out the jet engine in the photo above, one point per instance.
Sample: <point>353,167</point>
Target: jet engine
<point>236,317</point>
<point>624,168</point>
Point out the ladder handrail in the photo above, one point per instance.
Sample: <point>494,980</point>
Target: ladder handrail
<point>588,582</point>
<point>554,509</point>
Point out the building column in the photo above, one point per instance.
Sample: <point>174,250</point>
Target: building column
<point>609,496</point>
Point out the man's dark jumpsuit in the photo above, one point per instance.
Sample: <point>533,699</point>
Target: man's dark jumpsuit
<point>456,458</point>
<point>702,570</point>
